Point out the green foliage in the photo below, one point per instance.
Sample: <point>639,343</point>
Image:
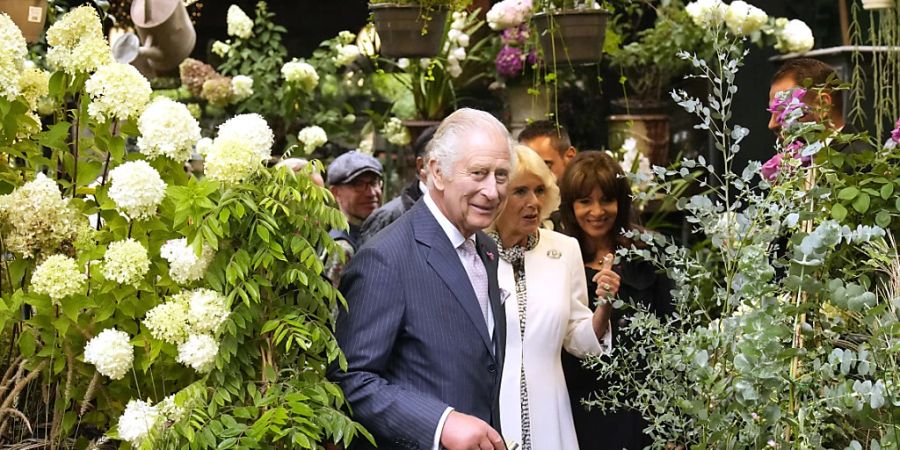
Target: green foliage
<point>453,5</point>
<point>786,323</point>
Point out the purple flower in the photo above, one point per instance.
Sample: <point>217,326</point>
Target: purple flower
<point>509,61</point>
<point>788,105</point>
<point>515,36</point>
<point>532,57</point>
<point>895,134</point>
<point>769,170</point>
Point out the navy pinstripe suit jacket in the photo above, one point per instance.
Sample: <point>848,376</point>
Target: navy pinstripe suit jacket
<point>414,336</point>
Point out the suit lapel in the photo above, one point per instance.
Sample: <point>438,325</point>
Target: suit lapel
<point>444,260</point>
<point>487,249</point>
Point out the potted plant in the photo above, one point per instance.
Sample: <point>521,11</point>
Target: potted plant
<point>412,28</point>
<point>571,31</point>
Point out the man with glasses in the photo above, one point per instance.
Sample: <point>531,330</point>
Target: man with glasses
<point>355,179</point>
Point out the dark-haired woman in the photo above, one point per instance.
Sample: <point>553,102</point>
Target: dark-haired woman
<point>595,208</point>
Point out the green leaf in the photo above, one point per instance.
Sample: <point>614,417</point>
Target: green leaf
<point>861,203</point>
<point>848,193</point>
<point>887,190</point>
<point>883,219</point>
<point>838,212</point>
<point>27,343</point>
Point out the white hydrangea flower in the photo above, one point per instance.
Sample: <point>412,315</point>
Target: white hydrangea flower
<point>221,48</point>
<point>239,23</point>
<point>13,50</point>
<point>58,277</point>
<point>395,132</point>
<point>138,420</point>
<point>170,410</point>
<point>508,14</point>
<point>231,160</point>
<point>198,352</point>
<point>300,73</point>
<point>312,137</point>
<point>110,352</point>
<point>207,311</point>
<point>38,218</point>
<point>118,91</point>
<point>137,190</point>
<point>184,265</point>
<point>346,55</point>
<point>251,128</point>
<point>126,262</point>
<point>77,43</point>
<point>242,87</point>
<point>744,19</point>
<point>795,36</point>
<point>168,129</point>
<point>203,146</point>
<point>707,13</point>
<point>167,322</point>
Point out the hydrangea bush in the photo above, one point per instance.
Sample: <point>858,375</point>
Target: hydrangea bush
<point>786,325</point>
<point>140,302</point>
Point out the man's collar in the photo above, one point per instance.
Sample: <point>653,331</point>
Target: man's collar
<point>456,238</point>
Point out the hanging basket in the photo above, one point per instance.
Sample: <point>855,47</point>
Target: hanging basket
<point>878,4</point>
<point>28,15</point>
<point>523,107</point>
<point>406,32</point>
<point>573,37</point>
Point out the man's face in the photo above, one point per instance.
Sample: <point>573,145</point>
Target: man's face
<point>471,194</point>
<point>544,147</point>
<point>359,197</point>
<point>783,84</point>
<point>818,106</point>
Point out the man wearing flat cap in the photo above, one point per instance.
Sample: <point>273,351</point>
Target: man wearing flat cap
<point>355,179</point>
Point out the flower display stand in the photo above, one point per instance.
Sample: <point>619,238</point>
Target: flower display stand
<point>573,37</point>
<point>406,31</point>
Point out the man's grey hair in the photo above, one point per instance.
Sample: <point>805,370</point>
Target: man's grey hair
<point>445,145</point>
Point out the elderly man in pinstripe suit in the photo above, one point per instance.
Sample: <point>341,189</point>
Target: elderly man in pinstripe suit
<point>424,332</point>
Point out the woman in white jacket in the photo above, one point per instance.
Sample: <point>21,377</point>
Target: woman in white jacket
<point>542,280</point>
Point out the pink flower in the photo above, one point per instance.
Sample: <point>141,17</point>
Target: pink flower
<point>490,255</point>
<point>895,133</point>
<point>770,169</point>
<point>788,105</point>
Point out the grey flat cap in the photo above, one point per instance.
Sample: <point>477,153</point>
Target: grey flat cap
<point>348,166</point>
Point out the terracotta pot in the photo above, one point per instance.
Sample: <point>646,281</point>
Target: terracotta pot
<point>524,107</point>
<point>404,32</point>
<point>29,16</point>
<point>879,4</point>
<point>573,37</point>
<point>650,131</point>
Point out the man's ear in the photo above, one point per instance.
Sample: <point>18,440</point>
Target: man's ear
<point>569,154</point>
<point>436,174</point>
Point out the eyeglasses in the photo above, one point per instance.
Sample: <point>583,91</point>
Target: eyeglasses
<point>364,184</point>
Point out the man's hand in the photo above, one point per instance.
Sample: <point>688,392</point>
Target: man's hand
<point>465,432</point>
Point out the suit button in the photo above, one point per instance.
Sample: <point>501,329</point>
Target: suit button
<point>492,368</point>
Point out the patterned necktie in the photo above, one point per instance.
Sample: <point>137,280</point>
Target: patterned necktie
<point>477,275</point>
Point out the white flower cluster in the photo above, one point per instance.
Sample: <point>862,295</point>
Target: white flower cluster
<point>509,14</point>
<point>137,189</point>
<point>167,129</point>
<point>251,128</point>
<point>126,262</point>
<point>239,23</point>
<point>111,352</point>
<point>346,54</point>
<point>221,48</point>
<point>301,73</point>
<point>170,409</point>
<point>395,133</point>
<point>231,160</point>
<point>77,43</point>
<point>793,36</point>
<point>312,137</point>
<point>139,419</point>
<point>58,277</point>
<point>118,91</point>
<point>13,51</point>
<point>345,37</point>
<point>457,41</point>
<point>198,352</point>
<point>241,87</point>
<point>634,161</point>
<point>190,321</point>
<point>744,19</point>
<point>38,218</point>
<point>184,264</point>
<point>203,146</point>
